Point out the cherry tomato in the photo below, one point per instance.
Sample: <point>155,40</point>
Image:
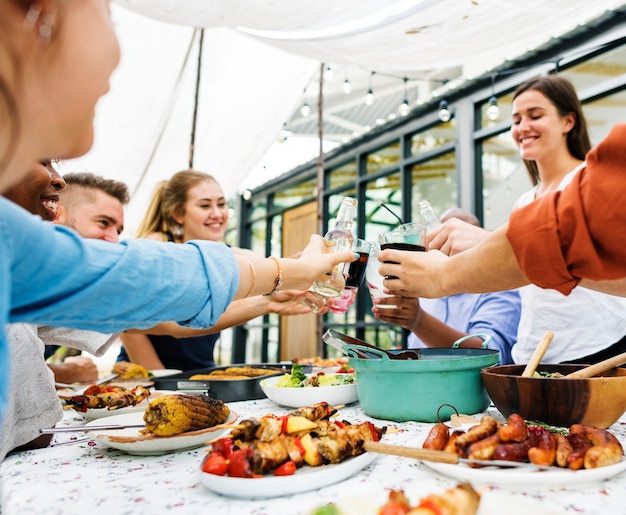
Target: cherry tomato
<point>430,505</point>
<point>286,469</point>
<point>224,446</point>
<point>345,369</point>
<point>240,463</point>
<point>393,508</point>
<point>215,463</point>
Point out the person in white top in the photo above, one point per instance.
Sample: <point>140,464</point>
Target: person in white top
<point>550,130</point>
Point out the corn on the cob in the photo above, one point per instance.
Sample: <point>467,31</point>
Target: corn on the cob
<point>127,370</point>
<point>173,414</point>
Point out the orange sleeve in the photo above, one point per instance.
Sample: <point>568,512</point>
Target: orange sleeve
<point>579,232</point>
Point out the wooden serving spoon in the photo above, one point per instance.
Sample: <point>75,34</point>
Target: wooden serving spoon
<point>599,367</point>
<point>538,354</point>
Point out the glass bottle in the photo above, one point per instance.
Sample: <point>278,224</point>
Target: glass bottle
<point>341,235</point>
<point>428,216</point>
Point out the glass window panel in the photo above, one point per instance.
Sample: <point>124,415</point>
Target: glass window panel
<point>276,243</point>
<point>433,138</point>
<point>504,178</point>
<point>257,241</point>
<point>384,190</point>
<point>435,180</point>
<point>344,174</point>
<point>259,208</point>
<point>603,114</point>
<point>297,194</point>
<point>597,69</point>
<point>383,158</point>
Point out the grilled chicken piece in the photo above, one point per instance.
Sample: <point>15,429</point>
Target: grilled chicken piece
<point>110,397</point>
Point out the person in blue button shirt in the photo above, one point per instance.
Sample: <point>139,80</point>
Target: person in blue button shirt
<point>440,322</point>
<point>56,59</point>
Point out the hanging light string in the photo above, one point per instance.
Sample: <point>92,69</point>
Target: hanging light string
<point>444,112</point>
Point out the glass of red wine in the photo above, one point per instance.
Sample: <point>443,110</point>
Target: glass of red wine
<point>354,273</point>
<point>411,237</point>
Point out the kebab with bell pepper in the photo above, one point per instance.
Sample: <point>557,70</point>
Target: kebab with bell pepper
<point>282,444</point>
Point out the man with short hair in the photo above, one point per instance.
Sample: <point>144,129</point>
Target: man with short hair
<point>93,206</point>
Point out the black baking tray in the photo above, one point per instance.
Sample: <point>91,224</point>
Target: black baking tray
<point>227,390</point>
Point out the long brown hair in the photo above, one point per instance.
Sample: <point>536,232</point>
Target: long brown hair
<point>168,200</point>
<point>561,93</point>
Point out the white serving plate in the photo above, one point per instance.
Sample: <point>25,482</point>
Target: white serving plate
<point>94,414</point>
<point>306,478</point>
<point>131,441</point>
<point>519,477</point>
<point>310,395</point>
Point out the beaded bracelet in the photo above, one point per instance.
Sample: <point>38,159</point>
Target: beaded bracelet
<point>279,277</point>
<point>253,272</point>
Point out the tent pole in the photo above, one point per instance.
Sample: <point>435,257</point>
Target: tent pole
<point>195,104</point>
<point>321,351</point>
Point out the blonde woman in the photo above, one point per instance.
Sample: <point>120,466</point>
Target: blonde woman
<point>191,206</point>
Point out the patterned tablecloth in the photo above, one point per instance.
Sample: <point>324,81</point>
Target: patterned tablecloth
<point>79,476</point>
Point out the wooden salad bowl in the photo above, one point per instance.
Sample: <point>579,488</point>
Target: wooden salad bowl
<point>558,401</point>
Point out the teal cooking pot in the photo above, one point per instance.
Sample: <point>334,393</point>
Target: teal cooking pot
<point>430,388</point>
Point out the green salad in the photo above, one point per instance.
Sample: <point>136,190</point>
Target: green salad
<point>298,379</point>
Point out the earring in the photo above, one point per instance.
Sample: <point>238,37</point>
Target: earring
<point>32,16</point>
<point>178,231</point>
<point>45,29</point>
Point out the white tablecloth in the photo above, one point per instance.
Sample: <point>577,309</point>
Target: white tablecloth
<point>81,477</point>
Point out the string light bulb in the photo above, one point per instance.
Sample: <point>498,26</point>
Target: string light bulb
<point>493,111</point>
<point>444,111</point>
<point>347,87</point>
<point>404,106</point>
<point>305,110</point>
<point>329,74</point>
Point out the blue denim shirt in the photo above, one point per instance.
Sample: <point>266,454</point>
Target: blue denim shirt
<point>495,314</point>
<point>50,275</point>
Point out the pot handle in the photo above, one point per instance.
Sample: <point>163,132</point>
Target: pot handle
<point>486,340</point>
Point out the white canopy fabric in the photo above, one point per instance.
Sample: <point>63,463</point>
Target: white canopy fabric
<point>258,58</point>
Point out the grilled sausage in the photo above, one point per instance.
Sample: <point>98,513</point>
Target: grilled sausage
<point>516,451</point>
<point>605,448</point>
<point>515,429</point>
<point>580,445</point>
<point>451,444</point>
<point>437,437</point>
<point>545,452</point>
<point>488,426</point>
<point>484,449</point>
<point>563,450</point>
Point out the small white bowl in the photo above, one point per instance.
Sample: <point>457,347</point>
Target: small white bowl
<point>308,395</point>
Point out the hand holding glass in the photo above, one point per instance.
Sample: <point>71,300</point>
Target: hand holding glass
<point>354,278</point>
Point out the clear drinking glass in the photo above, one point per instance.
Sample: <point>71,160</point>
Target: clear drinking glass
<point>354,278</point>
<point>411,237</point>
<point>374,279</point>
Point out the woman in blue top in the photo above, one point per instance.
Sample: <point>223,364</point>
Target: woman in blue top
<point>191,206</point>
<point>56,58</point>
